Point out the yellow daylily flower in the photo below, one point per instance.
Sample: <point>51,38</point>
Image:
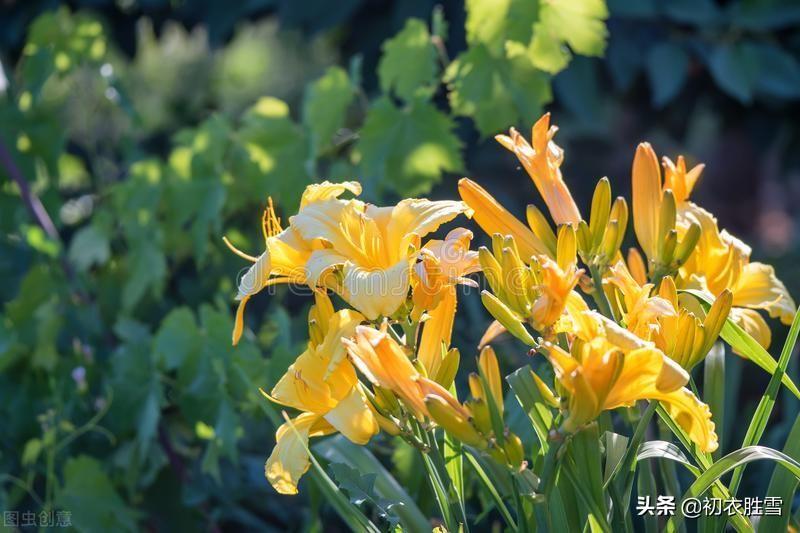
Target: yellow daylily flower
<point>679,180</point>
<point>609,367</point>
<point>542,160</point>
<point>323,385</point>
<point>443,264</point>
<point>369,250</point>
<point>286,253</point>
<point>722,262</point>
<point>386,364</point>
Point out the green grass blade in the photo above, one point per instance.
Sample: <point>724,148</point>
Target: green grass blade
<point>747,345</point>
<point>493,492</point>
<point>783,485</point>
<point>646,486</point>
<point>659,449</point>
<point>759,422</point>
<point>704,461</point>
<point>730,462</point>
<point>714,390</point>
<point>532,403</point>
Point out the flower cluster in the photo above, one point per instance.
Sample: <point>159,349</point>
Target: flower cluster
<point>615,327</point>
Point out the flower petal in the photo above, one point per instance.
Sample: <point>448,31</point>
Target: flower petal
<point>494,218</point>
<point>353,418</point>
<point>646,198</point>
<point>437,331</point>
<point>759,288</point>
<point>289,459</point>
<point>319,192</point>
<point>376,292</point>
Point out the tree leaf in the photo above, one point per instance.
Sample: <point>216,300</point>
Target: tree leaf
<point>578,23</point>
<point>94,504</point>
<point>496,91</point>
<point>89,247</point>
<point>408,65</point>
<point>408,148</point>
<point>325,106</point>
<point>735,69</point>
<point>667,70</point>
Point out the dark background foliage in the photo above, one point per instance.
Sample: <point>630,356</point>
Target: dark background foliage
<point>149,128</point>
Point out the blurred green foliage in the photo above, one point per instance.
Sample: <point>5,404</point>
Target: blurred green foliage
<point>150,129</point>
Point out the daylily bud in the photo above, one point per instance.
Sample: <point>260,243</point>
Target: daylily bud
<point>715,319</point>
<point>584,236</point>
<point>684,250</point>
<point>567,247</point>
<point>619,212</point>
<point>666,220</point>
<point>452,422</point>
<point>506,317</point>
<point>668,245</point>
<point>386,424</point>
<point>601,209</point>
<point>541,227</point>
<point>476,386</point>
<point>515,452</point>
<point>386,400</point>
<point>487,362</point>
<point>480,415</point>
<point>544,391</point>
<point>491,269</point>
<point>609,246</point>
<point>449,368</point>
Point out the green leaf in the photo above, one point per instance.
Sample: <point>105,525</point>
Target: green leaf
<point>714,389</point>
<point>89,247</point>
<point>408,148</point>
<point>659,449</point>
<point>493,491</point>
<point>340,450</point>
<point>735,68</point>
<point>615,445</point>
<point>532,402</point>
<point>497,91</point>
<point>779,72</point>
<point>147,269</point>
<point>361,488</point>
<point>92,500</point>
<point>755,430</point>
<point>646,486</point>
<point>177,337</point>
<point>325,106</point>
<point>270,157</point>
<point>578,23</point>
<point>783,484</point>
<point>731,461</point>
<point>746,345</point>
<point>584,460</point>
<point>667,70</point>
<point>493,23</point>
<point>408,65</point>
